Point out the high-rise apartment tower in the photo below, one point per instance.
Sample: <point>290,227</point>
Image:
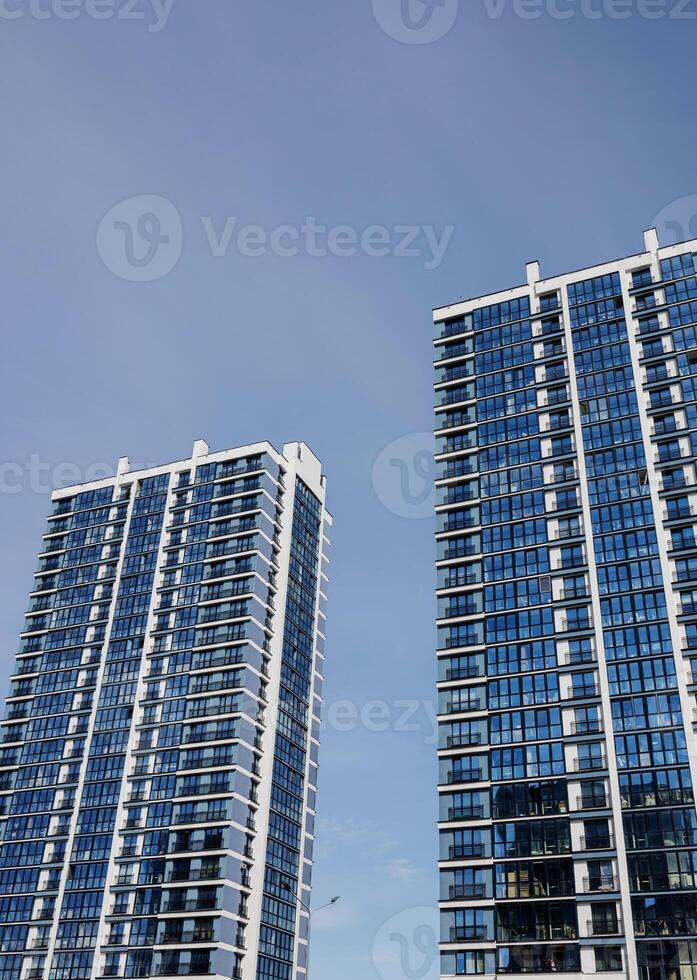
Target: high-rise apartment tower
<point>158,759</point>
<point>566,418</point>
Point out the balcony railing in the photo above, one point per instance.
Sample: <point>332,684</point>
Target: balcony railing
<point>609,927</point>
<point>597,842</point>
<point>663,883</point>
<point>585,727</point>
<point>468,934</point>
<point>671,455</point>
<point>561,534</point>
<point>601,883</point>
<point>589,765</point>
<point>671,838</point>
<point>576,625</point>
<point>137,796</point>
<point>578,659</point>
<point>457,851</point>
<point>205,874</point>
<point>474,890</point>
<point>586,691</point>
<point>185,970</point>
<point>591,802</point>
<point>463,673</point>
<point>465,776</point>
<point>453,707</point>
<point>184,938</point>
<point>465,812</point>
<point>664,927</point>
<point>463,740</point>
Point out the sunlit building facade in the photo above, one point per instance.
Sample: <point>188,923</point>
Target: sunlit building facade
<point>159,752</point>
<point>566,420</point>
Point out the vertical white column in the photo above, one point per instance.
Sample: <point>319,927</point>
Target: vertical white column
<point>249,963</point>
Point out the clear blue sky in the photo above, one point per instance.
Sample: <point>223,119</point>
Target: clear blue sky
<point>533,138</point>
